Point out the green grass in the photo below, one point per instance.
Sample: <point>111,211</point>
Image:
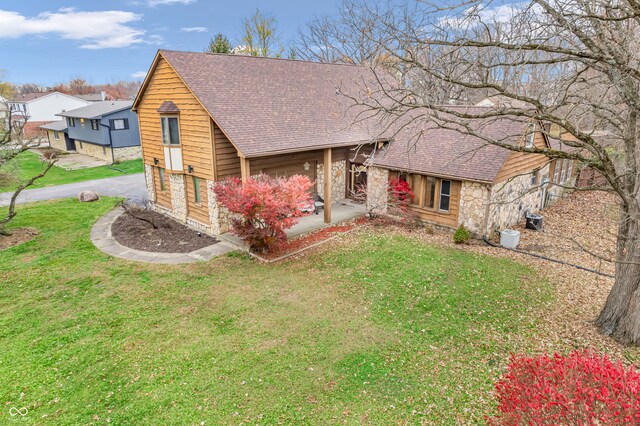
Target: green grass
<point>385,330</point>
<point>28,164</point>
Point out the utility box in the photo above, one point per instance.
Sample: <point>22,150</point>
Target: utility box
<point>534,221</point>
<point>509,238</point>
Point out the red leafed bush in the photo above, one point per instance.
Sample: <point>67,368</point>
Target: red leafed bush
<point>264,207</point>
<point>581,388</point>
<point>400,191</point>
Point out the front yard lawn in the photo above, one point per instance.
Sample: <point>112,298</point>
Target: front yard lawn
<point>29,164</point>
<point>376,330</point>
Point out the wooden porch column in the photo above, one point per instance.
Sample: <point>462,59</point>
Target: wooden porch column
<point>327,185</point>
<point>245,169</point>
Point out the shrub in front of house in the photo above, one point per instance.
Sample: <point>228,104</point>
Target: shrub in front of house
<point>264,207</point>
<point>462,235</point>
<point>581,388</point>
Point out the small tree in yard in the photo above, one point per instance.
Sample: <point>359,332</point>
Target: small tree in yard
<point>264,207</point>
<point>581,388</point>
<point>12,143</point>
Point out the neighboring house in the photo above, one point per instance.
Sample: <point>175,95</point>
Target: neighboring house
<point>4,114</point>
<point>58,136</point>
<point>37,109</point>
<point>106,130</point>
<point>95,97</point>
<point>41,107</point>
<point>205,117</point>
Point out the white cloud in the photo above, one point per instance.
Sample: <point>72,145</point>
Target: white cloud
<point>502,14</point>
<point>153,3</point>
<point>96,30</point>
<point>139,74</point>
<point>194,29</point>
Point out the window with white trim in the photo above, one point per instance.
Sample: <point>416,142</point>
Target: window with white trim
<point>119,124</point>
<point>170,130</point>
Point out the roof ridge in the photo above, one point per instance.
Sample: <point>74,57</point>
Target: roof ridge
<point>262,57</point>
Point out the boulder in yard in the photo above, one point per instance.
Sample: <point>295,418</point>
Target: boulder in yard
<point>87,196</point>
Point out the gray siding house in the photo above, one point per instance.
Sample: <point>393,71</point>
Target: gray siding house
<point>106,130</point>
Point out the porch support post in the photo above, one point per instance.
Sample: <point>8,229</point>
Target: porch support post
<point>327,185</point>
<point>245,169</point>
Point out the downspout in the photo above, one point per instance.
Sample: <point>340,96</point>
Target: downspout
<point>113,158</point>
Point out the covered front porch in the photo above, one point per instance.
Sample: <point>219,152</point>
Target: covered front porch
<point>340,211</point>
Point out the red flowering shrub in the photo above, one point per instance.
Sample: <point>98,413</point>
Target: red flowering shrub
<point>400,191</point>
<point>264,207</point>
<point>581,388</point>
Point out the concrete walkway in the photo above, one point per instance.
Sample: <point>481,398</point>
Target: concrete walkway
<point>104,241</point>
<point>131,187</point>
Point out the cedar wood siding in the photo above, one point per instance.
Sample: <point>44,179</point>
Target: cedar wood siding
<point>226,155</point>
<point>199,211</point>
<point>162,197</point>
<point>448,219</point>
<point>195,130</point>
<point>519,163</point>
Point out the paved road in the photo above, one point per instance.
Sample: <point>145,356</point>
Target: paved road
<point>130,186</point>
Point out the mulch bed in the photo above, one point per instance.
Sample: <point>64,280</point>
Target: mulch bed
<point>312,238</point>
<point>18,236</point>
<point>169,237</point>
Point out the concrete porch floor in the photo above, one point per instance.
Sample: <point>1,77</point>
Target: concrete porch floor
<point>340,211</point>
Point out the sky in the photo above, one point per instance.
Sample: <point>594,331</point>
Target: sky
<point>49,41</point>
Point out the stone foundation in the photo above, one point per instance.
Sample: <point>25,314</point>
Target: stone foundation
<point>338,180</point>
<point>127,153</point>
<point>101,152</point>
<point>218,215</point>
<point>377,190</point>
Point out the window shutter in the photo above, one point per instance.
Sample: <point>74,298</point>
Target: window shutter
<point>111,123</point>
<point>126,123</point>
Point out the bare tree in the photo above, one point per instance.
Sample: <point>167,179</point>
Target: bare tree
<point>260,37</point>
<point>570,64</point>
<point>13,142</point>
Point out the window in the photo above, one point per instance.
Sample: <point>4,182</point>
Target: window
<point>445,195</point>
<point>556,171</point>
<point>430,192</point>
<point>119,124</point>
<point>71,122</point>
<point>94,124</point>
<point>570,171</point>
<point>531,136</point>
<point>563,170</point>
<point>196,188</point>
<point>534,177</point>
<point>170,131</point>
<point>162,185</point>
<point>56,135</point>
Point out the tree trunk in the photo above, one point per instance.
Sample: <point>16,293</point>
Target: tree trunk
<point>620,317</point>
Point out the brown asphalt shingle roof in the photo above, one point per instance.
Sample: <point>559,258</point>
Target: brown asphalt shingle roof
<point>430,149</point>
<point>267,105</point>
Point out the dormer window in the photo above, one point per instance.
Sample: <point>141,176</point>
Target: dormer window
<point>531,137</point>
<point>71,122</point>
<point>170,130</point>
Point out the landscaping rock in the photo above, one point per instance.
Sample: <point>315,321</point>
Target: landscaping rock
<point>87,196</point>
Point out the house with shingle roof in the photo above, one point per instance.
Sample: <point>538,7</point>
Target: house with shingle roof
<point>205,117</point>
<point>106,130</point>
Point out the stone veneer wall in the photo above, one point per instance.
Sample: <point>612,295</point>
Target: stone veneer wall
<point>513,198</point>
<point>377,190</point>
<point>148,179</point>
<point>218,215</point>
<point>127,153</point>
<point>474,200</point>
<point>57,143</point>
<point>338,180</point>
<point>100,152</point>
<point>178,196</point>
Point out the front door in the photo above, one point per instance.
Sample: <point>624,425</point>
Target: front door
<point>357,185</point>
<point>70,143</point>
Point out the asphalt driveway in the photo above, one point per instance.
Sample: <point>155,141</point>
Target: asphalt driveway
<point>131,187</point>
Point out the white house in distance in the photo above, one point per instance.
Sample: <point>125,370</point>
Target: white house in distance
<point>43,107</point>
